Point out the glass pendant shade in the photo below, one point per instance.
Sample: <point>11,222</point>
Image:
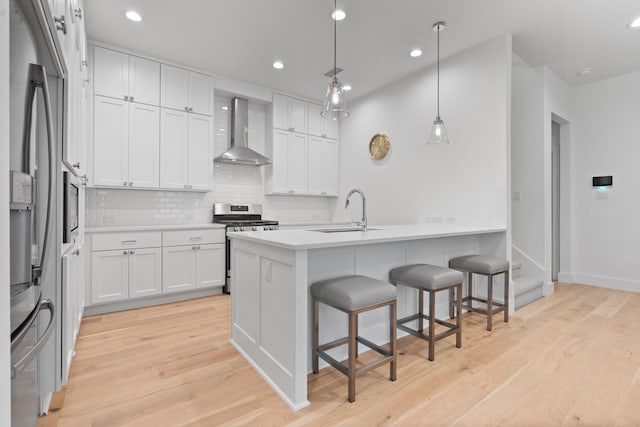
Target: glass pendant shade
<point>438,133</point>
<point>335,105</point>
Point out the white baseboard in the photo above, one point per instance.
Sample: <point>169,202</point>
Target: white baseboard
<point>607,282</point>
<point>548,289</point>
<point>565,277</point>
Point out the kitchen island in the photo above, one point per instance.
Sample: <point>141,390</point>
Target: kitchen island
<point>273,270</point>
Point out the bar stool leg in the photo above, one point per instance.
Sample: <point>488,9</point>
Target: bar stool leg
<point>470,289</point>
<point>490,302</point>
<point>459,316</point>
<point>357,329</point>
<point>392,340</point>
<point>353,333</point>
<point>316,328</point>
<point>506,296</point>
<point>432,325</point>
<point>421,310</point>
<point>451,302</point>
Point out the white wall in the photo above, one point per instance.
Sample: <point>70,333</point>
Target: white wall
<point>606,232</point>
<point>466,181</point>
<point>232,183</point>
<point>5,327</point>
<point>527,164</point>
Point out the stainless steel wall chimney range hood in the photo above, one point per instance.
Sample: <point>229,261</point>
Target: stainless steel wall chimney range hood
<point>239,152</point>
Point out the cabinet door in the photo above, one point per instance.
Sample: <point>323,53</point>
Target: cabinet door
<point>175,88</point>
<point>110,142</point>
<point>315,120</point>
<point>314,166</point>
<point>109,276</point>
<point>110,73</point>
<point>178,268</point>
<point>298,163</point>
<point>330,128</point>
<point>200,148</point>
<point>174,148</point>
<point>144,81</point>
<point>280,161</point>
<point>330,167</point>
<point>210,265</point>
<point>145,272</point>
<point>144,145</point>
<point>200,94</point>
<point>281,112</point>
<point>298,115</point>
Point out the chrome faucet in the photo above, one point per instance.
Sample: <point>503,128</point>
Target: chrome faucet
<point>363,221</point>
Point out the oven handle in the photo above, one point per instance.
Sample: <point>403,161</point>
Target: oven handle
<point>27,358</point>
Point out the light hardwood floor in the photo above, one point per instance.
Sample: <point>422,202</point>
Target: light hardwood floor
<point>570,359</point>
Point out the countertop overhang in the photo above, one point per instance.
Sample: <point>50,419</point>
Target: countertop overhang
<point>133,228</point>
<point>309,239</point>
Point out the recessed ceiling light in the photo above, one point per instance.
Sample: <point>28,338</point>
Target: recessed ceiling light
<point>635,23</point>
<point>133,16</point>
<point>415,53</point>
<point>584,71</point>
<point>278,65</point>
<point>338,15</point>
<point>346,87</point>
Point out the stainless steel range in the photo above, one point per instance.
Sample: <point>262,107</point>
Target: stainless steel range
<point>240,217</point>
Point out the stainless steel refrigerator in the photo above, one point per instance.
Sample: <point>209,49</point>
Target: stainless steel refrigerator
<point>36,74</point>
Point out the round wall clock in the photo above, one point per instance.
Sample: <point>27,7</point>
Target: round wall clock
<point>379,146</point>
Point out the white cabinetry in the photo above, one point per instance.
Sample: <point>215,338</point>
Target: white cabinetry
<point>186,91</point>
<point>289,114</point>
<point>288,173</point>
<point>126,266</point>
<point>122,76</point>
<point>126,144</point>
<point>193,259</point>
<point>319,126</point>
<point>305,158</point>
<point>323,166</point>
<point>123,266</point>
<point>186,159</point>
<point>73,303</point>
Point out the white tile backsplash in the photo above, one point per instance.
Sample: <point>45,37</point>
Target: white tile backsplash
<point>233,183</point>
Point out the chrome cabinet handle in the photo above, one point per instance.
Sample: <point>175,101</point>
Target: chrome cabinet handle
<point>130,183</point>
<point>186,109</point>
<point>131,98</point>
<point>78,13</point>
<point>125,252</point>
<point>195,238</point>
<point>128,242</point>
<point>132,252</point>
<point>124,183</point>
<point>76,165</point>
<point>61,25</point>
<point>126,97</point>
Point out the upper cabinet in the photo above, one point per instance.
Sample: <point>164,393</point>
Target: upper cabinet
<point>289,114</point>
<point>186,90</point>
<point>122,76</point>
<point>319,126</point>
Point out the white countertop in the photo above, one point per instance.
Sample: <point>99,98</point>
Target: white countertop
<point>306,239</point>
<point>312,223</point>
<point>124,228</point>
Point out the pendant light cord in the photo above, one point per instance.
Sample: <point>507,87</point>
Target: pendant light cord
<point>438,71</point>
<point>335,41</point>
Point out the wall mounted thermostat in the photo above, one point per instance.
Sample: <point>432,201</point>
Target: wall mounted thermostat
<point>603,181</point>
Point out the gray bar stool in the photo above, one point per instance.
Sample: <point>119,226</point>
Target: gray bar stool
<point>354,295</point>
<point>490,267</point>
<point>431,279</point>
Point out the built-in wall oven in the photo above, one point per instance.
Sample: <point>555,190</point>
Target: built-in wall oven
<point>71,207</point>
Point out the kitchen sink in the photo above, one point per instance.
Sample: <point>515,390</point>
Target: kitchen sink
<point>342,229</point>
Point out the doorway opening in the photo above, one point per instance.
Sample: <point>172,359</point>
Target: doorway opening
<point>555,200</point>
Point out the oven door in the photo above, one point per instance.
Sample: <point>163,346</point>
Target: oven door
<point>71,207</point>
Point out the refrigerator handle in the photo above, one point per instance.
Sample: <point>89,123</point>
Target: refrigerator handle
<point>38,79</point>
<point>24,361</point>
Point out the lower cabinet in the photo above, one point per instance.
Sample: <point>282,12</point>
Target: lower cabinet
<point>125,266</point>
<point>193,267</point>
<point>123,274</point>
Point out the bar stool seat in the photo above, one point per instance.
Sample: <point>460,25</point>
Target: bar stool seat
<point>354,295</point>
<point>430,278</point>
<point>490,267</point>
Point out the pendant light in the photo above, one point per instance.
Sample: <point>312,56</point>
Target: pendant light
<point>438,132</point>
<point>335,105</point>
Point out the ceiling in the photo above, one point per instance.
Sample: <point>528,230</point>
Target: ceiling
<point>242,38</point>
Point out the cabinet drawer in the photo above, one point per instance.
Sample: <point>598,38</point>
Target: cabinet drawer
<point>110,241</point>
<point>192,237</point>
